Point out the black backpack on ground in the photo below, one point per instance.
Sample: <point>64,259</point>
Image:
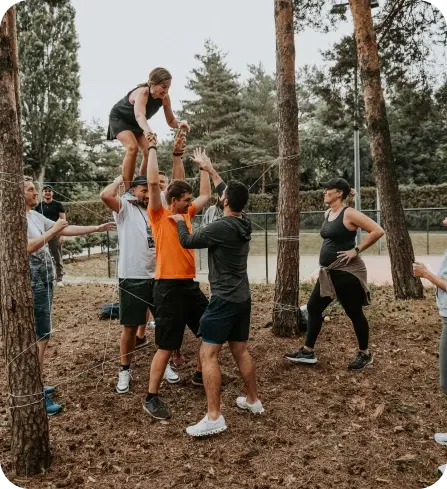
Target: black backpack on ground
<point>110,311</point>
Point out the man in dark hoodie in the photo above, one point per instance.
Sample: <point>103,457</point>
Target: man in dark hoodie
<point>227,317</point>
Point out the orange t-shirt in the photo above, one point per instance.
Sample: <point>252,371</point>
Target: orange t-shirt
<point>173,261</point>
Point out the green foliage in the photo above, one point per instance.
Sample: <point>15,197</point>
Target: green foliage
<point>49,70</point>
<point>72,247</point>
<point>88,213</point>
<point>215,114</point>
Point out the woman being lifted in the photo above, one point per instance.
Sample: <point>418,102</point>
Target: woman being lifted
<point>128,120</point>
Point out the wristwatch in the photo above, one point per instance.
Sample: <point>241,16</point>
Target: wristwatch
<point>358,250</point>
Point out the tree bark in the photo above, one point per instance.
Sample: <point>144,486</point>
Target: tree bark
<point>30,451</point>
<point>287,276</point>
<point>12,33</point>
<point>398,239</point>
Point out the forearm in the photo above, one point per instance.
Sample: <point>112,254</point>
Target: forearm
<point>152,168</point>
<point>205,185</point>
<point>79,230</point>
<point>191,241</point>
<point>178,170</point>
<point>370,239</point>
<point>36,244</point>
<point>142,122</point>
<point>435,280</point>
<point>110,191</point>
<point>217,180</point>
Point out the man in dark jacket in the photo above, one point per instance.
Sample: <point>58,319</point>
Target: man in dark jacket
<point>227,317</point>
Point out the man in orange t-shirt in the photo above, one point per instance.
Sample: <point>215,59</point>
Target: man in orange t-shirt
<point>178,299</point>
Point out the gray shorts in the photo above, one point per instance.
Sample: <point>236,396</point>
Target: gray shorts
<point>43,303</point>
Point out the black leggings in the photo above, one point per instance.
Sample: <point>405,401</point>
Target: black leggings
<point>351,296</point>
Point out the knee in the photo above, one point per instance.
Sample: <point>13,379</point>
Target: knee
<point>132,150</point>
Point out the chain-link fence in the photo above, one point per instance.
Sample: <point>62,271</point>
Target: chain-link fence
<point>424,225</point>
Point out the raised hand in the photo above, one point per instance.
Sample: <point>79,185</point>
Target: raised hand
<point>202,160</point>
<point>184,125</point>
<point>179,146</point>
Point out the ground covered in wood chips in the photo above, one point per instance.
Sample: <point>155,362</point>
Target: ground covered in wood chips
<point>324,427</point>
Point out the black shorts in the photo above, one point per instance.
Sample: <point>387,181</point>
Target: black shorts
<point>177,303</point>
<point>225,321</point>
<point>117,125</point>
<point>136,296</point>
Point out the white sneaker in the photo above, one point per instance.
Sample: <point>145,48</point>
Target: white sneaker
<point>254,408</point>
<point>60,283</point>
<point>124,380</point>
<point>207,427</point>
<point>151,324</point>
<point>441,438</point>
<point>170,375</point>
<point>441,469</point>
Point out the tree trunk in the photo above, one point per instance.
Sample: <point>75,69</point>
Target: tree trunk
<point>287,275</point>
<point>398,239</point>
<point>30,440</point>
<point>12,33</point>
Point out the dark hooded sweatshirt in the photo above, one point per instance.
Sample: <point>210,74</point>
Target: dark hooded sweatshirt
<point>228,243</point>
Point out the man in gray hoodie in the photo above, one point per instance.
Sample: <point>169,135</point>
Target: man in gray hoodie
<point>227,317</point>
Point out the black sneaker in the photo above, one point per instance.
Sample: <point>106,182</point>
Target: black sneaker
<point>197,380</point>
<point>140,342</point>
<point>362,360</point>
<point>156,408</point>
<point>301,356</point>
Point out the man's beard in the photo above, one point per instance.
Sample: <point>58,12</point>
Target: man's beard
<point>142,203</point>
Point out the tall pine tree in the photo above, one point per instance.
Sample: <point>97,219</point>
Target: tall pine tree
<point>215,114</point>
<point>49,68</point>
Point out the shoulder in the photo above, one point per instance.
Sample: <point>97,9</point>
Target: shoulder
<point>155,215</point>
<point>192,211</point>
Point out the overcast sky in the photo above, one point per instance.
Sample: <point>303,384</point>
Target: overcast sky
<point>122,41</point>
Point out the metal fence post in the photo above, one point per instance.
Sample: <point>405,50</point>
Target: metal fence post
<point>266,251</point>
<point>108,252</point>
<point>428,233</point>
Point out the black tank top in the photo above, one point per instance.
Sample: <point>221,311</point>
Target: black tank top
<point>125,111</point>
<point>336,238</point>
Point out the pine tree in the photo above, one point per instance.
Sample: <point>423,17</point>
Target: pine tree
<point>259,128</point>
<point>215,114</point>
<point>49,68</point>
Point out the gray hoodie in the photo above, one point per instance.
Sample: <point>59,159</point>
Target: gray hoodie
<point>441,295</point>
<point>228,243</point>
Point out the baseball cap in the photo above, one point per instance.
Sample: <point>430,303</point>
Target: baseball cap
<point>46,185</point>
<point>140,180</point>
<point>337,183</point>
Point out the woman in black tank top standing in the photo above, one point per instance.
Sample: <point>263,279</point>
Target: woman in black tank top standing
<point>128,119</point>
<point>342,272</point>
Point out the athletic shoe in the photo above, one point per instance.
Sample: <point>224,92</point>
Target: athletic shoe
<point>151,324</point>
<point>441,438</point>
<point>140,342</point>
<point>178,360</point>
<point>51,407</point>
<point>197,380</point>
<point>59,283</point>
<point>48,389</point>
<point>124,381</point>
<point>170,375</point>
<point>362,360</point>
<point>156,408</point>
<point>207,427</point>
<point>301,356</point>
<point>254,408</point>
<point>441,469</point>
